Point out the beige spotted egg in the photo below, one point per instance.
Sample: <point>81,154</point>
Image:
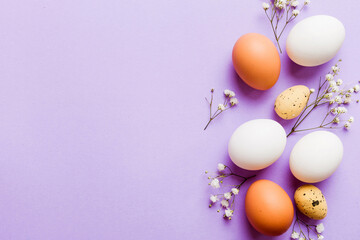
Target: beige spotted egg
<point>311,202</point>
<point>290,103</point>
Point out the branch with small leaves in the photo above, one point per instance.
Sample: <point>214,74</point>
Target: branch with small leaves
<point>277,10</point>
<point>330,94</point>
<point>229,102</point>
<point>303,231</point>
<point>227,199</point>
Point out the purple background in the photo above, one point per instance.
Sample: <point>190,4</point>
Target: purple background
<point>102,110</point>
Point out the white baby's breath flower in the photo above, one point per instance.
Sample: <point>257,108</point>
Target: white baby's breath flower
<point>347,100</point>
<point>214,198</point>
<point>215,183</point>
<point>351,90</point>
<point>221,107</point>
<point>341,110</point>
<point>227,92</point>
<point>221,167</point>
<point>301,238</point>
<point>229,213</point>
<point>295,12</point>
<point>335,69</point>
<point>336,120</point>
<point>235,191</point>
<point>331,102</point>
<point>335,89</point>
<point>339,82</point>
<point>265,6</point>
<point>347,125</point>
<point>227,195</point>
<point>329,77</point>
<point>334,110</point>
<point>351,119</point>
<point>328,95</point>
<point>233,101</point>
<point>232,94</point>
<point>320,237</point>
<point>356,88</point>
<point>294,3</point>
<point>280,4</point>
<point>295,235</point>
<point>312,90</point>
<point>338,99</point>
<point>224,203</point>
<point>306,2</point>
<point>332,83</point>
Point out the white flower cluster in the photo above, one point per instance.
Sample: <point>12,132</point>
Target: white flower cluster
<point>334,95</point>
<point>229,102</point>
<point>228,197</point>
<point>301,235</point>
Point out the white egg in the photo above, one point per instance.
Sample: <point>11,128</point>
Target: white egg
<point>257,144</point>
<point>316,156</point>
<point>315,40</point>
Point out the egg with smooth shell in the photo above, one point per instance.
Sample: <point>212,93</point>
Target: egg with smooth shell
<point>291,102</point>
<point>311,202</point>
<point>315,40</point>
<point>268,208</point>
<point>316,156</point>
<point>257,144</point>
<point>256,61</point>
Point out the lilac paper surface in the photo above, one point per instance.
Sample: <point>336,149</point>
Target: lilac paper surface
<point>102,110</point>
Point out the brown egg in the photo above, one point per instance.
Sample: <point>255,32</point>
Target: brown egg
<point>291,102</point>
<point>311,202</point>
<point>268,208</point>
<point>256,61</point>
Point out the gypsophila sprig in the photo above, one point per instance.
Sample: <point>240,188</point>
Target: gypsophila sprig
<point>227,198</point>
<point>331,93</point>
<point>229,102</point>
<point>280,13</point>
<point>305,231</point>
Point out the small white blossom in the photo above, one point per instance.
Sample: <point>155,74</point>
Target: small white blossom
<point>335,69</point>
<point>301,238</point>
<point>215,183</point>
<point>328,95</point>
<point>228,213</point>
<point>221,107</point>
<point>338,99</point>
<point>227,195</point>
<point>221,167</point>
<point>227,92</point>
<point>280,4</point>
<point>333,110</point>
<point>351,90</point>
<point>356,88</point>
<point>332,83</point>
<point>235,191</point>
<point>339,82</point>
<point>265,6</point>
<point>295,235</point>
<point>232,94</point>
<point>320,237</point>
<point>295,12</point>
<point>335,89</point>
<point>329,77</point>
<point>336,120</point>
<point>347,125</point>
<point>351,120</point>
<point>294,3</point>
<point>341,110</point>
<point>224,203</point>
<point>306,2</point>
<point>347,100</point>
<point>214,198</point>
<point>233,101</point>
<point>312,90</point>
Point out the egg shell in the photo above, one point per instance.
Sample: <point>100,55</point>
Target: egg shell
<point>256,144</point>
<point>256,61</point>
<point>315,40</point>
<point>311,202</point>
<point>290,103</point>
<point>316,156</point>
<point>268,208</point>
